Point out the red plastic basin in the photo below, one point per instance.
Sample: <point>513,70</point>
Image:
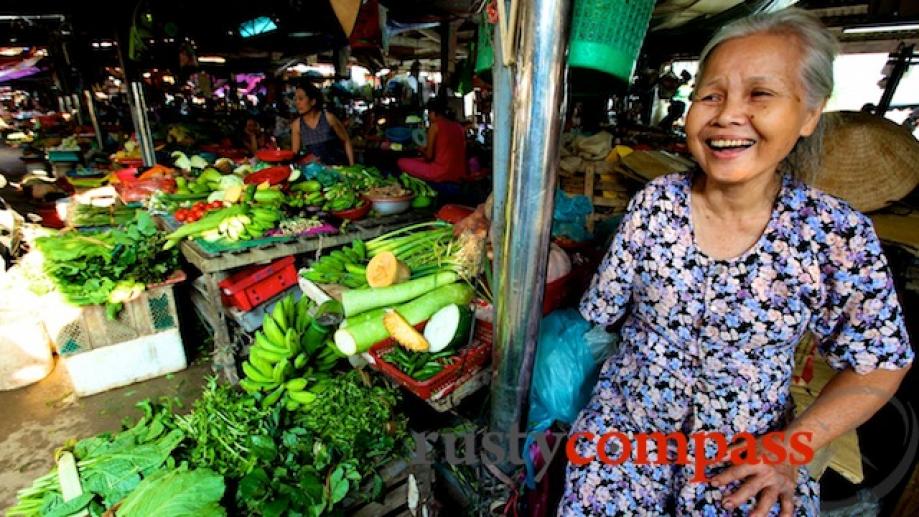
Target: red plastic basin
<point>274,155</point>
<point>273,175</point>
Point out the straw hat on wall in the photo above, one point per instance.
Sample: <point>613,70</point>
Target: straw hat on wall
<point>867,160</point>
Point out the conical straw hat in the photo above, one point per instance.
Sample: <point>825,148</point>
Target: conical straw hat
<point>868,161</point>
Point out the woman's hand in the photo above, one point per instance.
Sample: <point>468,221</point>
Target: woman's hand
<point>768,483</point>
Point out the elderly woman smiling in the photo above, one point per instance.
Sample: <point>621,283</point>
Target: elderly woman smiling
<point>718,273</point>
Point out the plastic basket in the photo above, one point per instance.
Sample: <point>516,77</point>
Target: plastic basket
<point>466,363</point>
<point>64,156</point>
<point>253,285</point>
<point>485,54</point>
<point>153,312</point>
<point>606,35</point>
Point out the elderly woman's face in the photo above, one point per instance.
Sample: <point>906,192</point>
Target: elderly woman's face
<point>749,108</point>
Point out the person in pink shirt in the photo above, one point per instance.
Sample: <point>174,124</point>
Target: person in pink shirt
<point>444,156</point>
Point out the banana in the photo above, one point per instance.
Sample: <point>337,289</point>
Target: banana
<point>274,396</point>
<point>273,332</point>
<point>279,314</point>
<point>261,365</point>
<point>267,355</point>
<point>253,373</point>
<point>250,386</point>
<point>292,340</point>
<point>262,342</point>
<point>360,248</point>
<point>280,370</point>
<point>292,312</point>
<point>296,385</point>
<point>302,397</point>
<point>300,361</point>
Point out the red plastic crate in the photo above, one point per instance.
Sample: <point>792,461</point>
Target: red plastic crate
<point>253,285</point>
<point>468,361</point>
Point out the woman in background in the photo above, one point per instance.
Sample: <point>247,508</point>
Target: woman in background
<point>318,132</point>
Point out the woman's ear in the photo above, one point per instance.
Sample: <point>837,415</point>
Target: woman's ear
<point>811,119</point>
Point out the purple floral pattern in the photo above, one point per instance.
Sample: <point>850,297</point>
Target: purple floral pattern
<point>708,345</point>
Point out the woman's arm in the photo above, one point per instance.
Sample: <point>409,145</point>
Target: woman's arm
<point>251,142</point>
<point>295,137</point>
<point>342,133</point>
<point>428,150</point>
<point>846,402</point>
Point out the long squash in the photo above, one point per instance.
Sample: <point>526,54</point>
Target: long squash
<point>359,338</point>
<point>357,301</point>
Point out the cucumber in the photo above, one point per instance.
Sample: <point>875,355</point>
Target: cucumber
<point>448,327</point>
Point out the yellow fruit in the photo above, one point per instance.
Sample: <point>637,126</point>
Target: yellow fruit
<point>403,333</point>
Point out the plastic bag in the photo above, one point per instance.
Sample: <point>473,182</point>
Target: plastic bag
<point>570,216</point>
<point>568,358</point>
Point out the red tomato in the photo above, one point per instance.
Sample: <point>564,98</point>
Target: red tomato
<point>181,214</point>
<point>199,204</point>
<point>215,205</point>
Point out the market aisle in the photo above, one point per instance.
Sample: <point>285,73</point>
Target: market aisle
<point>39,418</point>
<point>10,164</point>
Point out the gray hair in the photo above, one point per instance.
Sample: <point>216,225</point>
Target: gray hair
<point>819,47</point>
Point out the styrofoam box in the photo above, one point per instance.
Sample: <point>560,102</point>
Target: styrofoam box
<point>128,362</point>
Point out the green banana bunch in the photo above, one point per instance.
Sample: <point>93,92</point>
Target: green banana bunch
<point>419,187</point>
<point>303,199</point>
<point>262,218</point>
<point>345,266</point>
<point>288,353</point>
<point>340,197</point>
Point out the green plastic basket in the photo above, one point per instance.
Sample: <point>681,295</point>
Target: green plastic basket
<point>485,54</point>
<point>606,35</point>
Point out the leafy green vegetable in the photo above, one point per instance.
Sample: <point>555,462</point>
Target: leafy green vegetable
<point>110,466</point>
<point>87,267</point>
<point>176,493</point>
<point>230,432</point>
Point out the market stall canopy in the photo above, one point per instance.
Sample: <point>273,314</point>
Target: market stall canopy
<point>19,66</point>
<point>682,27</point>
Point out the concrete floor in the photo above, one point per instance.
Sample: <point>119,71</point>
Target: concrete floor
<point>39,418</point>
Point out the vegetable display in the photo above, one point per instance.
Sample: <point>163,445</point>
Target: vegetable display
<point>231,455</point>
<point>110,467</point>
<point>420,367</point>
<point>114,215</point>
<point>424,193</point>
<point>359,337</point>
<point>290,357</point>
<point>96,268</point>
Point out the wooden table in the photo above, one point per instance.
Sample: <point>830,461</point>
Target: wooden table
<point>213,268</point>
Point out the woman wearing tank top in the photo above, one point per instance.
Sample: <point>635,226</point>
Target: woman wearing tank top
<point>317,131</point>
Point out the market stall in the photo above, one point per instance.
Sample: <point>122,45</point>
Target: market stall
<point>352,320</point>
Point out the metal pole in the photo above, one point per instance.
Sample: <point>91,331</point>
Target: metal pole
<point>91,108</point>
<point>141,123</point>
<point>534,158</point>
<point>502,120</point>
<point>893,80</point>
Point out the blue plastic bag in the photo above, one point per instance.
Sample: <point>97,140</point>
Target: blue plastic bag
<point>568,359</point>
<point>569,355</point>
<point>569,219</point>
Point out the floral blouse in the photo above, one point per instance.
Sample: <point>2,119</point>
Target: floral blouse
<point>709,344</point>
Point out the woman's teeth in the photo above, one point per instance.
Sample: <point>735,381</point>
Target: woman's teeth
<point>729,144</point>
